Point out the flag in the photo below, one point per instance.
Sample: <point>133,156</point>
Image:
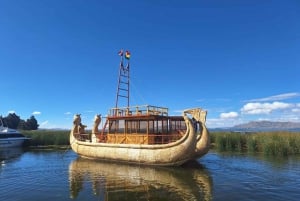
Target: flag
<point>120,53</point>
<point>127,54</point>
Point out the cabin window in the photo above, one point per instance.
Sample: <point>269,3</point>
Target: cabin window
<point>151,126</point>
<point>157,126</point>
<point>116,126</point>
<point>133,126</point>
<point>11,135</point>
<point>165,126</point>
<point>178,125</point>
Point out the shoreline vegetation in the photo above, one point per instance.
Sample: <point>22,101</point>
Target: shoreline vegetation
<point>47,138</point>
<point>274,143</point>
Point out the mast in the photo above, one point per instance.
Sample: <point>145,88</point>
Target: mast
<point>124,79</point>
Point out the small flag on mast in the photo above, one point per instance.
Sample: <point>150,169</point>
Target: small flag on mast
<point>120,53</point>
<point>127,55</point>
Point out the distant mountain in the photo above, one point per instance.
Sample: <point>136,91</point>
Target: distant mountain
<point>267,126</point>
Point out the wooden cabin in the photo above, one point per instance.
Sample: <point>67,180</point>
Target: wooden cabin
<point>142,125</point>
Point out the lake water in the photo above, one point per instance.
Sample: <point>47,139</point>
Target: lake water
<point>60,175</point>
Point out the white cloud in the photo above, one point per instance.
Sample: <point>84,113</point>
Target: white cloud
<point>229,115</point>
<point>36,113</point>
<point>296,110</point>
<point>11,112</point>
<point>264,108</point>
<point>44,123</point>
<point>68,113</point>
<point>220,123</point>
<point>276,97</point>
<point>89,111</point>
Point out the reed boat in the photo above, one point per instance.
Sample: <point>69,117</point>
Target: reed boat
<point>144,134</point>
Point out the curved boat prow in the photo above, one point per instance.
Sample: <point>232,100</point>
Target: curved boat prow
<point>203,140</point>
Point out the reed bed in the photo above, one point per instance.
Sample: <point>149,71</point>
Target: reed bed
<point>279,143</point>
<point>48,137</point>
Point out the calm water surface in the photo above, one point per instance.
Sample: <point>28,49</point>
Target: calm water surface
<point>61,175</point>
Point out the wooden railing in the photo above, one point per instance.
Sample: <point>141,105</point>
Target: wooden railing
<point>138,110</point>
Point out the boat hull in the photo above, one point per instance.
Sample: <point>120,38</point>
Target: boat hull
<point>172,154</point>
<point>12,142</point>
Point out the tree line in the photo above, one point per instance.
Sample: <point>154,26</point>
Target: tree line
<point>15,122</point>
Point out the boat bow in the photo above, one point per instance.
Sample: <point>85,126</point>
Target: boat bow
<point>203,139</point>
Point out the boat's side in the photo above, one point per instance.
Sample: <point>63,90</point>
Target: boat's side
<point>172,154</point>
<point>10,137</point>
<point>12,142</point>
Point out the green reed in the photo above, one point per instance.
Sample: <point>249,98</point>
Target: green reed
<point>269,143</point>
<point>48,137</point>
<point>225,141</point>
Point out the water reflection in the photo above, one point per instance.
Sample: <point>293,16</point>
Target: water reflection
<point>275,161</point>
<point>10,153</point>
<point>112,181</point>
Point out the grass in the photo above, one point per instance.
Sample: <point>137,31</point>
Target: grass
<point>48,137</point>
<point>269,143</point>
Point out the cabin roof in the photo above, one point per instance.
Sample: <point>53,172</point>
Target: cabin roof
<point>145,117</point>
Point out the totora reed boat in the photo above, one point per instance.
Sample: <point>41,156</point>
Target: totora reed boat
<point>143,134</point>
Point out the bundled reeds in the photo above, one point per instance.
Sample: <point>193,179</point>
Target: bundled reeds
<point>269,143</point>
<point>48,137</point>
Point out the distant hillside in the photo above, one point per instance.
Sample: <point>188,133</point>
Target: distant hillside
<point>268,126</point>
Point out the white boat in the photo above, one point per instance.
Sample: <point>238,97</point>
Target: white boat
<point>10,137</point>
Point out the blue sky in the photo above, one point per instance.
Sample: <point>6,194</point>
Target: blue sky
<point>239,60</point>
